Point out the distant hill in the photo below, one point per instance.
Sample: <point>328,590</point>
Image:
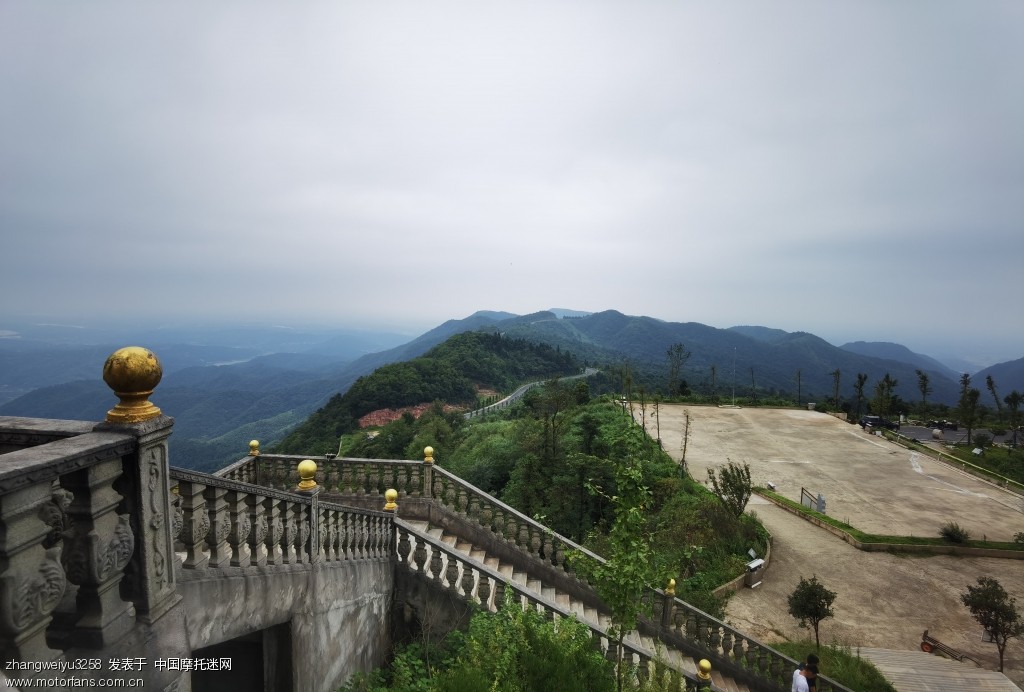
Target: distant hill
<point>1008,376</point>
<point>897,352</point>
<point>765,334</point>
<point>451,372</point>
<point>219,408</point>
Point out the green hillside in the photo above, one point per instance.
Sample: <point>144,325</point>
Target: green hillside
<point>451,372</point>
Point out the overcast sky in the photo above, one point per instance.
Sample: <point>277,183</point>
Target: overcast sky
<point>852,169</point>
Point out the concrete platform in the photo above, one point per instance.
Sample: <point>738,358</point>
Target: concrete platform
<point>916,671</point>
<point>884,600</point>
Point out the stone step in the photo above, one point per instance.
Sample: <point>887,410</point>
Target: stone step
<point>663,656</point>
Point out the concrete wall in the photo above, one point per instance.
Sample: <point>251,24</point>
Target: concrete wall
<point>338,615</point>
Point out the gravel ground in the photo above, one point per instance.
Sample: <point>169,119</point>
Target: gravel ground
<point>883,600</point>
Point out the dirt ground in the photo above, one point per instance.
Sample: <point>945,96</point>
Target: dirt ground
<point>883,600</point>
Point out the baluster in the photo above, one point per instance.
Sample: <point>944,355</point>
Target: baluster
<point>220,526</point>
<point>549,549</point>
<point>291,532</point>
<point>473,509</point>
<point>364,526</point>
<point>737,648</point>
<point>416,481</point>
<point>691,625</point>
<point>778,668</point>
<point>419,555</point>
<point>376,533</point>
<point>345,478</point>
<point>467,581</point>
<point>302,519</point>
<point>435,563</point>
<point>499,523</point>
<point>357,536</point>
<point>275,530</point>
<point>524,536</point>
<point>240,528</point>
<point>372,480</point>
<point>486,515</point>
<point>196,524</point>
<point>462,502</point>
<point>714,638</point>
<point>535,542</point>
<point>483,590</point>
<point>404,546</point>
<point>499,594</point>
<point>32,580</point>
<point>750,656</point>
<point>333,543</point>
<point>321,534</point>
<point>98,546</point>
<point>727,642</point>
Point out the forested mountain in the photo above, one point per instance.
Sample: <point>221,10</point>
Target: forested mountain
<point>890,351</point>
<point>220,403</point>
<point>451,372</point>
<point>722,360</point>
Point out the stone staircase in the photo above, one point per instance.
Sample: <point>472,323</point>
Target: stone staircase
<point>474,547</point>
<point>589,614</point>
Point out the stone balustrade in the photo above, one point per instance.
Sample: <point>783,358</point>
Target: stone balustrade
<point>469,579</point>
<point>686,627</point>
<point>67,533</point>
<point>228,523</point>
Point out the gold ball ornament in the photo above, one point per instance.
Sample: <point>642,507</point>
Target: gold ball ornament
<point>307,471</point>
<point>133,373</point>
<point>704,669</point>
<point>254,448</point>
<point>428,455</point>
<point>390,495</point>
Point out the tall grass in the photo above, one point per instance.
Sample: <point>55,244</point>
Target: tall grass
<point>842,664</point>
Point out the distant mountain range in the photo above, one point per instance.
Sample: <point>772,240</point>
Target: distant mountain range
<point>226,386</point>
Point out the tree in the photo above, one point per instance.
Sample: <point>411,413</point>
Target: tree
<point>923,386</point>
<point>967,409</point>
<point>732,486</point>
<point>836,375</point>
<point>882,404</point>
<point>858,388</point>
<point>991,384</point>
<point>630,568</point>
<point>810,603</point>
<point>996,611</point>
<point>798,386</point>
<point>1013,401</point>
<point>677,356</point>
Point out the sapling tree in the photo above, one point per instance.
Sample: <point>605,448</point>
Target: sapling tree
<point>810,603</point>
<point>630,568</point>
<point>732,486</point>
<point>996,611</point>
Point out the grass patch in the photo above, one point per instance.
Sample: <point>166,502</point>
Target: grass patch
<point>885,539</point>
<point>841,664</point>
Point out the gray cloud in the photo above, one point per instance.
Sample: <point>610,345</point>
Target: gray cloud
<point>787,164</point>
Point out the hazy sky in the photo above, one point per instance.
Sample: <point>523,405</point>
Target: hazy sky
<point>853,169</point>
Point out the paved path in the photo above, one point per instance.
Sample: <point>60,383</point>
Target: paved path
<point>916,671</point>
<point>884,600</point>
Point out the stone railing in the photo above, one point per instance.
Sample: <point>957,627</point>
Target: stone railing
<point>230,523</point>
<point>82,510</point>
<point>686,628</point>
<point>470,580</point>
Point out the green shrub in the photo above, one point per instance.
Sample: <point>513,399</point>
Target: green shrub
<point>954,533</point>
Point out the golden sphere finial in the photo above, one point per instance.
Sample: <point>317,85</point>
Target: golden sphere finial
<point>254,448</point>
<point>428,455</point>
<point>390,495</point>
<point>670,589</point>
<point>704,669</point>
<point>133,373</point>
<point>307,471</point>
